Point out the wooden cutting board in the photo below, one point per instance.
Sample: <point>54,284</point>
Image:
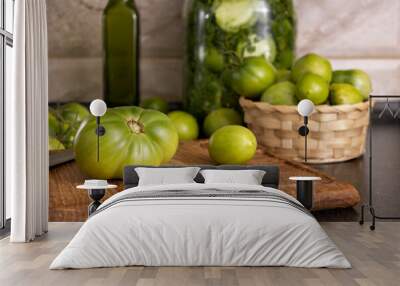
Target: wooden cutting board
<point>69,204</point>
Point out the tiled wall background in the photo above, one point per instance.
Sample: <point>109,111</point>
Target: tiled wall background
<point>353,34</point>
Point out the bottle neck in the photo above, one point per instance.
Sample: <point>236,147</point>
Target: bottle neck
<point>126,3</point>
<point>122,1</point>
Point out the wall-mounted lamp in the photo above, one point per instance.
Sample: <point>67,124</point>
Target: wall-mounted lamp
<point>305,184</point>
<point>98,108</point>
<point>305,108</point>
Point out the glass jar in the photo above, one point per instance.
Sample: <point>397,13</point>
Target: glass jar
<point>222,33</point>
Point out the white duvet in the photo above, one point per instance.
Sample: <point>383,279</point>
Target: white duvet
<point>200,232</point>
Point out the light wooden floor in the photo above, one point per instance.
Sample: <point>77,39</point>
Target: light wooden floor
<point>375,257</point>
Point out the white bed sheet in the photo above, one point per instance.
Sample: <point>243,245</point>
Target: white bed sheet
<point>200,232</point>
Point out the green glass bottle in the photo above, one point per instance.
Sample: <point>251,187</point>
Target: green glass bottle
<point>121,53</point>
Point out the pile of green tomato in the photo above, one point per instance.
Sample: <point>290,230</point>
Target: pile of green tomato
<point>311,77</point>
<point>64,122</point>
<point>229,141</point>
<point>150,135</point>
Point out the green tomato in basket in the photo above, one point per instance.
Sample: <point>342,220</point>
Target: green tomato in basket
<point>134,136</point>
<point>252,77</point>
<point>54,125</point>
<point>281,93</point>
<point>357,78</point>
<point>73,113</point>
<point>220,118</point>
<point>232,16</point>
<point>343,93</point>
<point>312,63</point>
<point>55,144</point>
<point>232,144</point>
<point>312,87</point>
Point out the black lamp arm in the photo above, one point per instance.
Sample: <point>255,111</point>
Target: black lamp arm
<point>100,131</point>
<point>304,131</point>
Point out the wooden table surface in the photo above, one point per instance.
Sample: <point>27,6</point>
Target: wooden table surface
<point>69,204</point>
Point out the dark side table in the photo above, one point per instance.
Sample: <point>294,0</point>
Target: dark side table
<point>96,193</point>
<point>305,190</point>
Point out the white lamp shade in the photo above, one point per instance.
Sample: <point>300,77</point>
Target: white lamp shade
<point>305,107</point>
<point>98,107</point>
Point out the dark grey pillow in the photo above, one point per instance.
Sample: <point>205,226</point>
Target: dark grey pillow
<point>270,179</point>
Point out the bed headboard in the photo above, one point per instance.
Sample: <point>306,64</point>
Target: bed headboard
<point>271,178</point>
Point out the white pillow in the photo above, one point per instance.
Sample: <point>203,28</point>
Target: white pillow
<point>247,177</point>
<point>166,176</point>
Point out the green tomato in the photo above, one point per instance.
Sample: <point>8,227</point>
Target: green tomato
<point>185,124</point>
<point>220,118</point>
<point>357,78</point>
<point>156,103</point>
<point>134,136</point>
<point>281,93</point>
<point>231,16</point>
<point>312,87</point>
<point>74,113</point>
<point>312,63</point>
<point>252,77</point>
<point>55,145</point>
<point>344,93</point>
<point>214,60</point>
<point>54,125</point>
<point>256,47</point>
<point>232,144</point>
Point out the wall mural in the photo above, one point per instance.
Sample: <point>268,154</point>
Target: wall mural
<point>219,82</point>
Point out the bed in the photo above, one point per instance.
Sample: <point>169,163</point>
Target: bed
<point>198,224</point>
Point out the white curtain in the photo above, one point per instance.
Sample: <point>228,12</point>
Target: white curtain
<point>26,124</point>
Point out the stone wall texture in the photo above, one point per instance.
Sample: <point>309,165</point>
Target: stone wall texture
<point>353,34</point>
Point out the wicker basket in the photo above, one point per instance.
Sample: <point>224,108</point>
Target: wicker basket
<point>337,133</point>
